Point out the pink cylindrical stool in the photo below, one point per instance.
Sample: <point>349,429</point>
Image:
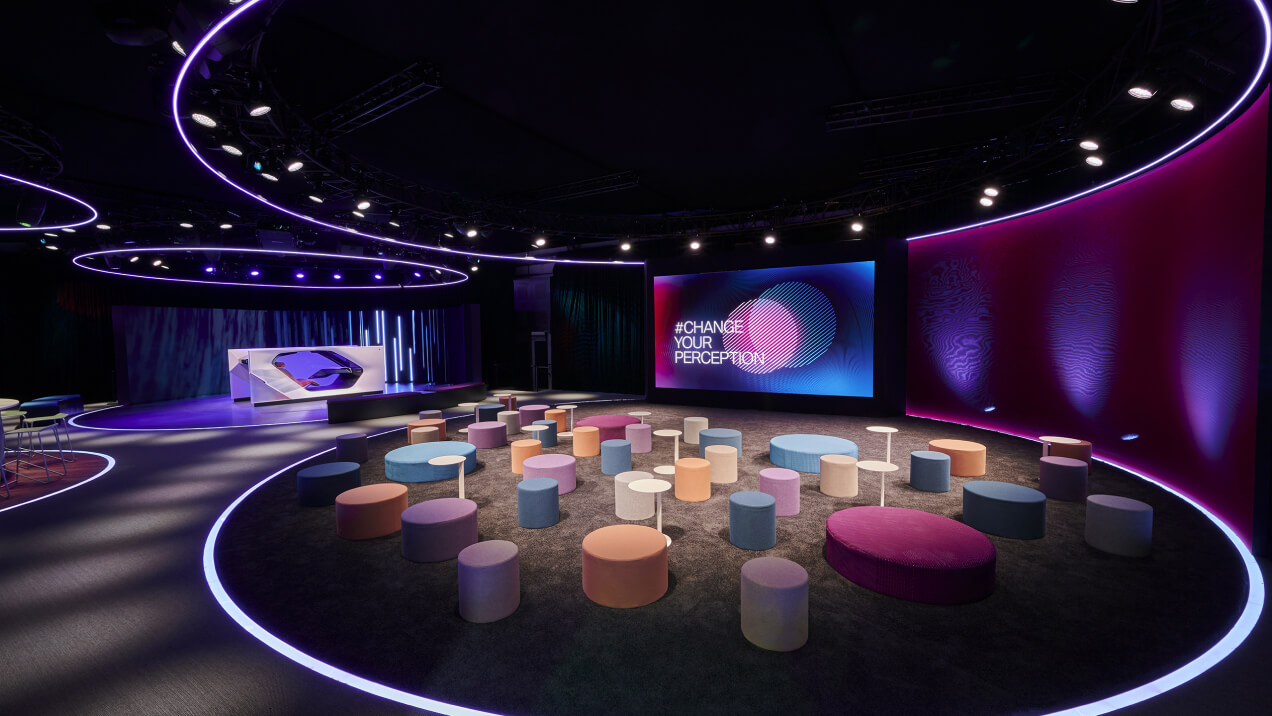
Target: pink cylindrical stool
<point>1062,478</point>
<point>488,434</point>
<point>554,466</point>
<point>641,437</point>
<point>531,413</point>
<point>489,581</point>
<point>783,485</point>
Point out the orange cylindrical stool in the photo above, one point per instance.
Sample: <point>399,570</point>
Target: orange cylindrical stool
<point>522,449</point>
<point>967,459</point>
<point>370,511</point>
<point>429,423</point>
<point>1080,450</point>
<point>559,416</point>
<point>587,441</point>
<point>625,566</point>
<point>693,479</point>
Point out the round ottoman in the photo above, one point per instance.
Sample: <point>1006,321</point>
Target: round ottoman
<point>752,520</point>
<point>624,566</point>
<point>319,485</point>
<point>547,437</point>
<point>911,554</point>
<point>538,503</point>
<point>488,412</point>
<point>437,530</point>
<point>693,479</point>
<point>430,414</point>
<point>531,413</point>
<point>612,427</point>
<point>488,434</point>
<point>774,603</point>
<point>421,435</point>
<point>429,423</point>
<point>558,415</point>
<point>616,457</point>
<point>719,436</point>
<point>839,475</point>
<point>410,463</point>
<point>641,436</point>
<point>1080,450</point>
<point>560,468</point>
<point>522,449</point>
<point>802,452</point>
<point>628,503</point>
<point>693,426</point>
<point>1119,525</point>
<point>1062,478</point>
<point>724,463</point>
<point>370,511</point>
<point>783,485</point>
<point>351,447</point>
<point>489,581</point>
<point>1005,509</point>
<point>967,459</point>
<point>511,420</point>
<point>930,471</point>
<point>587,442</point>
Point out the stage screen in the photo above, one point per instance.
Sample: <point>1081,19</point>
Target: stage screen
<point>804,330</point>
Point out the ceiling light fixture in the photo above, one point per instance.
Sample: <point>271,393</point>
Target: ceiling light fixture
<point>1089,144</point>
<point>473,268</point>
<point>295,165</point>
<point>379,276</point>
<point>156,262</point>
<point>364,204</point>
<point>625,246</point>
<point>133,259</point>
<point>695,245</point>
<point>177,48</point>
<point>857,227</point>
<point>186,225</point>
<point>448,235</point>
<point>227,226</point>
<point>986,201</point>
<point>471,233</point>
<point>991,191</point>
<point>258,109</point>
<point>103,227</point>
<point>1140,92</point>
<point>1181,104</point>
<point>232,150</point>
<point>51,247</point>
<point>68,230</point>
<point>336,276</point>
<point>1095,161</point>
<point>50,233</point>
<point>300,274</point>
<point>269,176</point>
<point>540,241</point>
<point>254,272</point>
<point>204,119</point>
<point>394,223</point>
<point>208,269</point>
<point>358,214</point>
<point>315,198</point>
<point>770,239</point>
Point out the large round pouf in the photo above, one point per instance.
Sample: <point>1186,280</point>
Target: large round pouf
<point>616,457</point>
<point>538,504</point>
<point>911,554</point>
<point>774,603</point>
<point>547,437</point>
<point>693,426</point>
<point>1062,478</point>
<point>410,463</point>
<point>1119,525</point>
<point>488,434</point>
<point>351,447</point>
<point>802,452</point>
<point>752,520</point>
<point>561,468</point>
<point>839,475</point>
<point>628,503</point>
<point>587,441</point>
<point>429,423</point>
<point>640,435</point>
<point>718,436</point>
<point>624,566</point>
<point>612,427</point>
<point>437,530</point>
<point>783,485</point>
<point>319,485</point>
<point>967,459</point>
<point>370,511</point>
<point>930,471</point>
<point>1005,509</point>
<point>489,581</point>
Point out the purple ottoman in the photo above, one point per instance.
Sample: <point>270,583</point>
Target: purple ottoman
<point>911,554</point>
<point>1063,478</point>
<point>437,530</point>
<point>531,413</point>
<point>640,435</point>
<point>488,434</point>
<point>783,485</point>
<point>611,427</point>
<point>554,466</point>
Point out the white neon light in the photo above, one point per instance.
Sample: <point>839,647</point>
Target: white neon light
<point>74,418</point>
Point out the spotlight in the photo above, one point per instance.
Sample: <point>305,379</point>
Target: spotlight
<point>378,277</point>
<point>991,191</point>
<point>300,274</point>
<point>359,214</point>
<point>991,409</point>
<point>227,226</point>
<point>1140,92</point>
<point>254,272</point>
<point>103,227</point>
<point>232,150</point>
<point>1182,104</point>
<point>315,198</point>
<point>295,165</point>
<point>49,233</point>
<point>540,241</point>
<point>204,119</point>
<point>857,227</point>
<point>695,245</point>
<point>1122,2</point>
<point>363,204</point>
<point>133,259</point>
<point>471,233</point>
<point>186,225</point>
<point>436,271</point>
<point>208,269</point>
<point>1094,161</point>
<point>258,109</point>
<point>269,176</point>
<point>770,239</point>
<point>336,276</point>
<point>69,230</point>
<point>165,267</point>
<point>986,201</point>
<point>51,247</point>
<point>156,262</point>
<point>1130,436</point>
<point>177,48</point>
<point>394,223</point>
<point>1089,144</point>
<point>448,235</point>
<point>625,246</point>
<point>473,268</point>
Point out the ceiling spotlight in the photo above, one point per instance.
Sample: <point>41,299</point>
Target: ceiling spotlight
<point>103,227</point>
<point>204,119</point>
<point>254,272</point>
<point>394,223</point>
<point>315,198</point>
<point>51,247</point>
<point>133,259</point>
<point>695,245</point>
<point>625,246</point>
<point>471,233</point>
<point>857,227</point>
<point>156,262</point>
<point>1140,92</point>
<point>1182,104</point>
<point>336,276</point>
<point>448,235</point>
<point>186,225</point>
<point>208,269</point>
<point>364,204</point>
<point>165,267</point>
<point>986,201</point>
<point>232,150</point>
<point>258,109</point>
<point>359,214</point>
<point>69,230</point>
<point>379,276</point>
<point>417,274</point>
<point>295,165</point>
<point>269,176</point>
<point>770,239</point>
<point>177,48</point>
<point>227,226</point>
<point>50,233</point>
<point>473,268</point>
<point>1094,161</point>
<point>300,274</point>
<point>1123,2</point>
<point>540,241</point>
<point>991,191</point>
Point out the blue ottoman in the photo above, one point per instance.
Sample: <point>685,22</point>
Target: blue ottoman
<point>752,520</point>
<point>718,436</point>
<point>802,452</point>
<point>410,463</point>
<point>547,437</point>
<point>351,447</point>
<point>68,404</point>
<point>538,503</point>
<point>488,413</point>
<point>616,457</point>
<point>1005,509</point>
<point>318,486</point>
<point>930,471</point>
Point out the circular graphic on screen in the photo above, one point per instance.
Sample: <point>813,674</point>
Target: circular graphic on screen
<point>789,325</point>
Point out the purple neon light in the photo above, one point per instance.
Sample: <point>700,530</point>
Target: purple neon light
<point>74,418</point>
<point>110,463</point>
<point>308,254</point>
<point>50,190</point>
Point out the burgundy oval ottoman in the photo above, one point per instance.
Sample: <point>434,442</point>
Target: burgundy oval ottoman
<point>911,554</point>
<point>488,434</point>
<point>612,427</point>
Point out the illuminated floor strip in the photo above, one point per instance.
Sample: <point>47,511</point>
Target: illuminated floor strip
<point>158,430</point>
<point>110,463</point>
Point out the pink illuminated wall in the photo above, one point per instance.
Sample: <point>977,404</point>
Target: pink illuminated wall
<point>1131,311</point>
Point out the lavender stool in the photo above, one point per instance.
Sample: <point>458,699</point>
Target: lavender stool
<point>554,466</point>
<point>783,485</point>
<point>774,603</point>
<point>488,434</point>
<point>640,436</point>
<point>1063,478</point>
<point>531,413</point>
<point>489,581</point>
<point>437,530</point>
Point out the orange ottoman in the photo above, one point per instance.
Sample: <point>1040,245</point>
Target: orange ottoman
<point>587,441</point>
<point>370,511</point>
<point>1081,450</point>
<point>967,459</point>
<point>429,423</point>
<point>557,415</point>
<point>625,566</point>
<point>693,479</point>
<point>522,449</point>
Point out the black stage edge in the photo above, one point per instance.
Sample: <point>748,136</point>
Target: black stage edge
<point>366,407</point>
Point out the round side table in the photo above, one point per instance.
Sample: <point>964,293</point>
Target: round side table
<point>443,460</point>
<point>656,487</point>
<point>642,414</point>
<point>674,435</point>
<point>883,468</point>
<point>534,432</point>
<point>889,431</point>
<point>569,433</point>
<point>1048,439</point>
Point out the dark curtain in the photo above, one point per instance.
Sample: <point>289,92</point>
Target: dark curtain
<point>598,324</point>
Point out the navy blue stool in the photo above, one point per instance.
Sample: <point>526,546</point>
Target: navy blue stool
<point>319,485</point>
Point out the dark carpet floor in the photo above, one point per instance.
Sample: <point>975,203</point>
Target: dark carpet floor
<point>1066,624</point>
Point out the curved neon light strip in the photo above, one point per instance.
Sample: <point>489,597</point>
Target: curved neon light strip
<point>51,190</point>
<point>190,59</point>
<point>1215,654</point>
<point>110,463</point>
<point>157,430</point>
<point>310,254</point>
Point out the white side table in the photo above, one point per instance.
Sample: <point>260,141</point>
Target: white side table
<point>444,460</point>
<point>468,405</point>
<point>674,435</point>
<point>889,431</point>
<point>1048,439</point>
<point>883,468</point>
<point>569,433</point>
<point>657,487</point>
<point>534,433</point>
<point>642,414</point>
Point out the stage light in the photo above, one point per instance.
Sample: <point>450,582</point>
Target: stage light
<point>394,223</point>
<point>156,262</point>
<point>359,214</point>
<point>1140,92</point>
<point>1130,436</point>
<point>473,268</point>
<point>1095,161</point>
<point>986,201</point>
<point>258,109</point>
<point>990,409</point>
<point>69,230</point>
<point>186,225</point>
<point>417,274</point>
<point>1121,2</point>
<point>857,227</point>
<point>770,239</point>
<point>165,267</point>
<point>103,227</point>
<point>227,226</point>
<point>695,245</point>
<point>540,241</point>
<point>254,272</point>
<point>51,247</point>
<point>177,48</point>
<point>363,204</point>
<point>625,246</point>
<point>232,150</point>
<point>204,119</point>
<point>269,176</point>
<point>295,165</point>
<point>991,191</point>
<point>300,274</point>
<point>471,233</point>
<point>448,235</point>
<point>1089,144</point>
<point>1182,104</point>
<point>208,269</point>
<point>378,277</point>
<point>133,259</point>
<point>315,198</point>
<point>336,276</point>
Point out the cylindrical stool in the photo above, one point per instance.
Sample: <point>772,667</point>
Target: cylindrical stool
<point>624,566</point>
<point>319,485</point>
<point>1062,478</point>
<point>628,503</point>
<point>488,434</point>
<point>641,436</point>
<point>693,426</point>
<point>511,420</point>
<point>561,468</point>
<point>547,437</point>
<point>752,520</point>
<point>724,463</point>
<point>522,449</point>
<point>430,415</point>
<point>587,441</point>
<point>421,435</point>
<point>930,471</point>
<point>774,603</point>
<point>693,479</point>
<point>489,581</point>
<point>1005,509</point>
<point>557,415</point>
<point>839,475</point>
<point>429,423</point>
<point>531,413</point>
<point>488,412</point>
<point>616,457</point>
<point>438,530</point>
<point>1119,525</point>
<point>351,447</point>
<point>1080,450</point>
<point>509,402</point>
<point>370,511</point>
<point>719,436</point>
<point>538,503</point>
<point>783,485</point>
<point>967,459</point>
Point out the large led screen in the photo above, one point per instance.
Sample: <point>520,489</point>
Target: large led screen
<point>804,330</point>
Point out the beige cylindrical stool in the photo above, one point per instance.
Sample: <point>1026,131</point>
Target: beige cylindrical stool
<point>724,463</point>
<point>628,503</point>
<point>429,423</point>
<point>522,449</point>
<point>587,441</point>
<point>693,479</point>
<point>559,416</point>
<point>422,435</point>
<point>967,459</point>
<point>1081,450</point>
<point>489,581</point>
<point>839,475</point>
<point>774,603</point>
<point>625,566</point>
<point>370,511</point>
<point>511,420</point>
<point>693,426</point>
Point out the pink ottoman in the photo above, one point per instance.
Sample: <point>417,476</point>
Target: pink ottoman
<point>612,427</point>
<point>531,413</point>
<point>554,466</point>
<point>783,485</point>
<point>488,434</point>
<point>640,435</point>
